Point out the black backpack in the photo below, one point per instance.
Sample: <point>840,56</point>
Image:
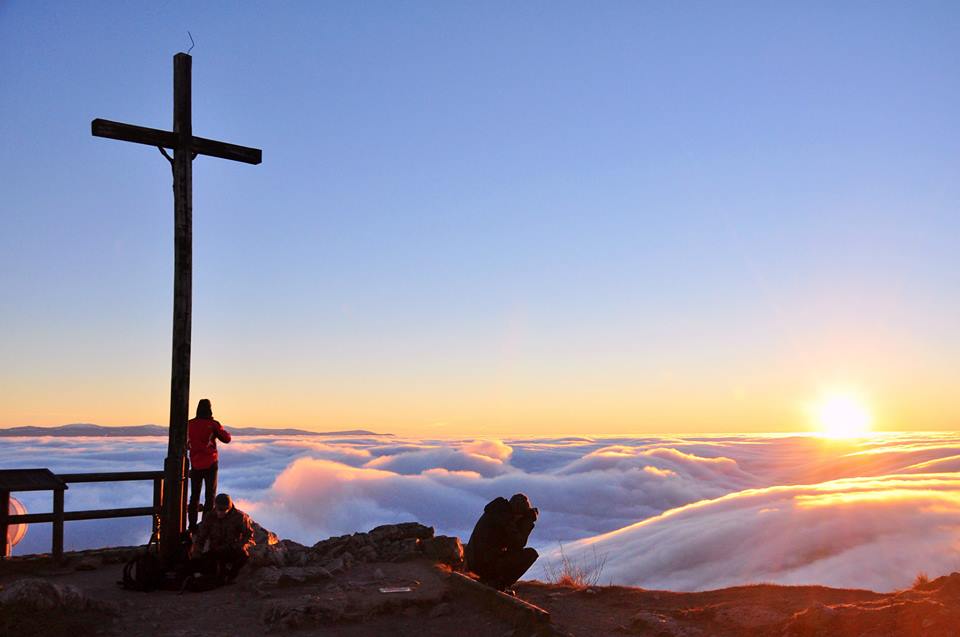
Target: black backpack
<point>143,572</point>
<point>201,582</point>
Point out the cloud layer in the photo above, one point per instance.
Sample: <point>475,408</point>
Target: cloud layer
<point>875,533</point>
<point>681,513</point>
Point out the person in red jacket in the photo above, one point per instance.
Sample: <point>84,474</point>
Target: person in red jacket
<point>202,435</point>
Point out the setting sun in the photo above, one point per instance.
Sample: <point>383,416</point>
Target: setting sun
<point>843,416</point>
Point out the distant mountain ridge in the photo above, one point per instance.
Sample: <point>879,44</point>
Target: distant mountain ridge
<point>86,429</point>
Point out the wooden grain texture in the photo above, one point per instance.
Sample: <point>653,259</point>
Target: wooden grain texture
<point>58,516</point>
<point>58,519</point>
<point>29,480</point>
<point>185,147</point>
<point>157,504</point>
<point>223,150</point>
<point>526,617</point>
<point>74,516</point>
<point>131,133</point>
<point>155,137</point>
<point>173,521</point>
<point>110,476</point>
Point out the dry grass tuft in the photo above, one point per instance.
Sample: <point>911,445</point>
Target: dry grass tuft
<point>582,574</point>
<point>921,580</point>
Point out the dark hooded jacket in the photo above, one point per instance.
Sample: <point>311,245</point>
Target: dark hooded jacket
<point>233,531</point>
<point>497,530</point>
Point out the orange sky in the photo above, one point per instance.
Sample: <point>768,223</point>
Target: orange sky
<point>442,408</point>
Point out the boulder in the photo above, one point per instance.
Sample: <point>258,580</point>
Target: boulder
<point>295,554</point>
<point>269,550</point>
<point>402,531</point>
<point>367,554</point>
<point>264,536</point>
<point>336,566</point>
<point>268,555</point>
<point>444,549</point>
<point>387,543</point>
<point>39,594</point>
<point>332,545</point>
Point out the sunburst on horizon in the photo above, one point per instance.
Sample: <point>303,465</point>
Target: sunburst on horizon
<point>842,415</point>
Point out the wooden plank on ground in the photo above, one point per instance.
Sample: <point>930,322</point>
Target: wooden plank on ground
<point>523,615</point>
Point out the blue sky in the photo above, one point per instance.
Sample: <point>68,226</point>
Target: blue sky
<point>489,217</point>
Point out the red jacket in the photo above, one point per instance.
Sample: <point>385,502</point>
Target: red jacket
<point>202,436</point>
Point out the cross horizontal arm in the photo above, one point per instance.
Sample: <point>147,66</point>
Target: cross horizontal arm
<point>166,139</point>
<point>131,133</point>
<point>224,150</point>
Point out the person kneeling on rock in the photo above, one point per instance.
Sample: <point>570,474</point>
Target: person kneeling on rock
<point>496,550</point>
<point>223,542</point>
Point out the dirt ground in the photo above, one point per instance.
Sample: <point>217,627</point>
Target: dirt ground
<point>928,610</point>
<point>617,611</point>
<point>351,604</point>
<point>237,610</point>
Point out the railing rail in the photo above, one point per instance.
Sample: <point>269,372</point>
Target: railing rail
<point>58,516</point>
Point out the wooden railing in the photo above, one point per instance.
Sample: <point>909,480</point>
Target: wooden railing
<point>58,516</point>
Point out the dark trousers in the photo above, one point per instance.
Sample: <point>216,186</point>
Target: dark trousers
<point>509,566</point>
<point>224,563</point>
<point>212,569</point>
<point>206,478</point>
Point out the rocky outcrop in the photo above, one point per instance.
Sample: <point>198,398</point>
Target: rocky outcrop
<point>263,537</point>
<point>445,550</point>
<point>386,543</point>
<point>39,594</point>
<point>286,563</point>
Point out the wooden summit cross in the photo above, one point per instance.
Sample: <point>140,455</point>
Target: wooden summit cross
<point>185,147</point>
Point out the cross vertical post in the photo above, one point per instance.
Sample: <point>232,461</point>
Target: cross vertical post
<point>185,147</point>
<point>172,520</point>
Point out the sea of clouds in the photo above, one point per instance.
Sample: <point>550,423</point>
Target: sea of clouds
<point>678,513</point>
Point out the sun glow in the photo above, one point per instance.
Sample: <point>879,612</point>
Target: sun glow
<point>843,416</point>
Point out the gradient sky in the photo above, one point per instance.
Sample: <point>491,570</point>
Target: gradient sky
<point>488,217</point>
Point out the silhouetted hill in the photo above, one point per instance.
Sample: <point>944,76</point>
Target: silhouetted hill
<point>86,429</point>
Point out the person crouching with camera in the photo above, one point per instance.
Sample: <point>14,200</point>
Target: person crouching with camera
<point>496,550</point>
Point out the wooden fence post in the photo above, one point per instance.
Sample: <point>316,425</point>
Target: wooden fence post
<point>157,503</point>
<point>58,524</point>
<point>4,513</point>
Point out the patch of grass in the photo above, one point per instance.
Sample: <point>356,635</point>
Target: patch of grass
<point>921,580</point>
<point>576,574</point>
